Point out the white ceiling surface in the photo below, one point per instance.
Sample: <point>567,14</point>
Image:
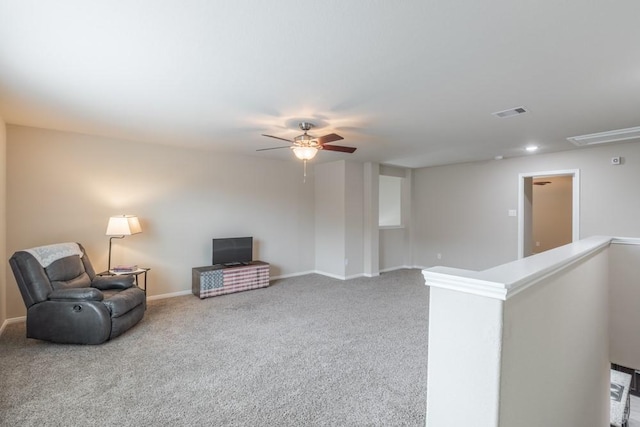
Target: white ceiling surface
<point>409,83</point>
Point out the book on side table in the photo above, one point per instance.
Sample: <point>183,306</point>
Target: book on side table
<point>125,269</point>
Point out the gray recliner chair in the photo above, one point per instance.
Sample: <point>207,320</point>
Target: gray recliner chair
<point>67,303</point>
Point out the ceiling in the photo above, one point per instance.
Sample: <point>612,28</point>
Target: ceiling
<point>410,83</point>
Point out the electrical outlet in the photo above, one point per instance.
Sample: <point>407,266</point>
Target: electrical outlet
<point>439,256</point>
<point>346,261</point>
<point>616,160</point>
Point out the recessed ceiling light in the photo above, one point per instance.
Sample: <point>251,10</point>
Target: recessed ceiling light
<point>510,112</point>
<point>608,136</point>
<point>531,148</point>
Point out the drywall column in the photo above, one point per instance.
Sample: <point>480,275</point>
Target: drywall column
<point>354,219</point>
<point>371,241</point>
<point>339,199</point>
<point>407,191</point>
<point>330,219</point>
<point>525,343</point>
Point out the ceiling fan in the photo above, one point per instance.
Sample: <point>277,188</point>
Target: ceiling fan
<point>305,146</point>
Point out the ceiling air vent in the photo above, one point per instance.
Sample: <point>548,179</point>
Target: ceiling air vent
<point>510,112</point>
<point>604,137</point>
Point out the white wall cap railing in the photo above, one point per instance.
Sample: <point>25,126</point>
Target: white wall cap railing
<point>625,241</point>
<point>506,280</point>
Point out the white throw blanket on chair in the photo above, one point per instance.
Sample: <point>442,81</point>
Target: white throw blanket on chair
<point>50,253</point>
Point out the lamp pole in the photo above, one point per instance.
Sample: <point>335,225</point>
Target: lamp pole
<point>110,239</point>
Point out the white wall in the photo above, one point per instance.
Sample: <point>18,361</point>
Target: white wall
<point>463,369</point>
<point>461,211</point>
<point>64,187</point>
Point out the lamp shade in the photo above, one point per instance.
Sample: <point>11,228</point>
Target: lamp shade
<point>305,153</point>
<point>123,225</point>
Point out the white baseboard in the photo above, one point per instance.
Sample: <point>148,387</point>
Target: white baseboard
<point>282,276</point>
<point>12,321</point>
<point>400,267</point>
<point>189,291</point>
<point>169,295</point>
<point>333,276</point>
<point>286,276</point>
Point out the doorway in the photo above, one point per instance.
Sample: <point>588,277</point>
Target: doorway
<point>543,232</point>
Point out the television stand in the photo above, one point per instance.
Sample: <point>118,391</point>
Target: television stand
<point>214,280</point>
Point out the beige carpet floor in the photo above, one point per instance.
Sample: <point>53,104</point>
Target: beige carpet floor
<point>306,351</point>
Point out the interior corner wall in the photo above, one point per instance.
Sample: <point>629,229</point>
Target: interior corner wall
<point>371,242</point>
<point>461,211</point>
<point>340,204</point>
<point>63,187</point>
<point>330,220</point>
<point>354,219</point>
<point>3,222</point>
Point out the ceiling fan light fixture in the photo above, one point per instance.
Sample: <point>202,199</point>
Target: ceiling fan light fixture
<point>305,153</point>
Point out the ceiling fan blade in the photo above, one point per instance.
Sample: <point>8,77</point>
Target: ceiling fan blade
<point>277,137</point>
<point>339,148</point>
<point>329,138</point>
<point>273,148</point>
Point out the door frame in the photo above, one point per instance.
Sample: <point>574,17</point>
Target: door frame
<point>524,210</point>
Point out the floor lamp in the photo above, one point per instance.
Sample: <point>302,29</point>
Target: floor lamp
<point>119,227</point>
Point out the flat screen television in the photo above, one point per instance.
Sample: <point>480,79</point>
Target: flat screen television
<point>232,251</point>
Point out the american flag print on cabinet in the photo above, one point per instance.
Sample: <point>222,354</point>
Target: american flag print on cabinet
<point>216,280</point>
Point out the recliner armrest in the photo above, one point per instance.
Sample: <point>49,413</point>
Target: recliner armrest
<point>76,294</point>
<point>112,282</point>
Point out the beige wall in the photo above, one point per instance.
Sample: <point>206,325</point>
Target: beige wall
<point>555,349</point>
<point>461,211</point>
<point>624,297</point>
<point>3,222</point>
<point>64,186</point>
<point>552,210</point>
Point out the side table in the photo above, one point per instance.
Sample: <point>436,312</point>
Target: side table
<point>134,273</point>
